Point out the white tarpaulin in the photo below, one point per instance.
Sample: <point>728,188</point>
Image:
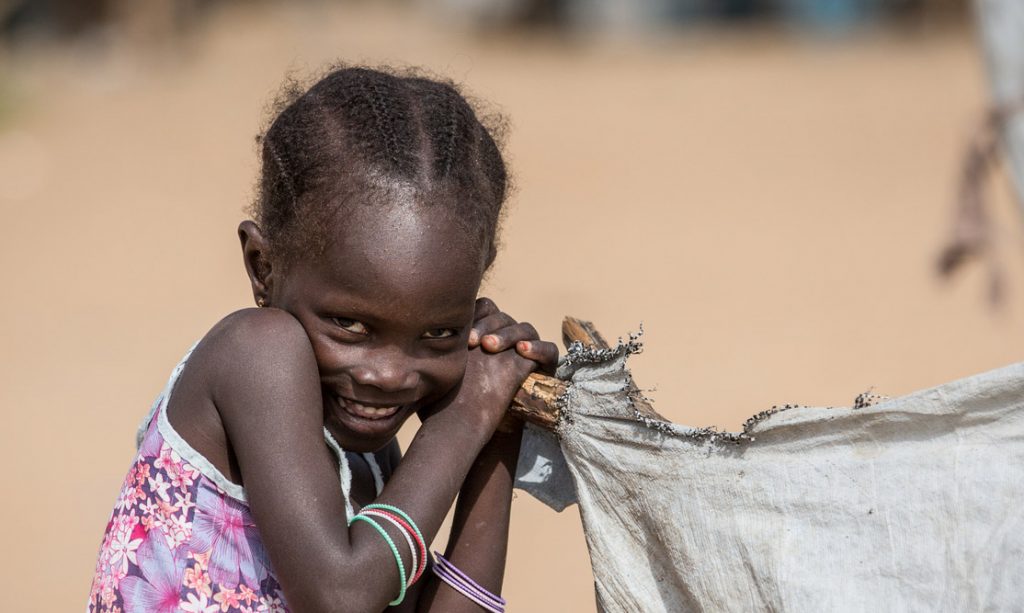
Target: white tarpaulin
<point>914,504</point>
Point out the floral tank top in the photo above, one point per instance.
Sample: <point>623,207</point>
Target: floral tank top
<point>181,537</point>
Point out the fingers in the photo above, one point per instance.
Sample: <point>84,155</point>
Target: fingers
<point>487,327</point>
<point>485,308</point>
<point>544,353</point>
<point>495,331</point>
<point>506,335</point>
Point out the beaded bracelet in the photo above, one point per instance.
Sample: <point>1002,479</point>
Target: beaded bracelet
<point>418,536</point>
<point>406,533</point>
<point>460,582</point>
<point>411,535</point>
<point>394,550</point>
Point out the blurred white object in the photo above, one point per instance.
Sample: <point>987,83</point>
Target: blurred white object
<point>600,15</point>
<point>1001,23</point>
<point>623,15</point>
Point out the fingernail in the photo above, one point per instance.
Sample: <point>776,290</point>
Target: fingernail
<point>474,337</point>
<point>491,340</point>
<point>524,346</point>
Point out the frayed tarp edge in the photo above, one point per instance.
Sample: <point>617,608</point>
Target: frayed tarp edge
<point>579,355</point>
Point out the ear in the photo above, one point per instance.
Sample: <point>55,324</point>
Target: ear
<point>257,264</point>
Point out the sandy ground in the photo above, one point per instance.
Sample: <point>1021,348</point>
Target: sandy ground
<point>770,209</point>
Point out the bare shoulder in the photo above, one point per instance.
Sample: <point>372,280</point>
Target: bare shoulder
<point>251,329</point>
<point>254,349</point>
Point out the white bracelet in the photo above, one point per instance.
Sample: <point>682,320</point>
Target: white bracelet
<point>405,533</point>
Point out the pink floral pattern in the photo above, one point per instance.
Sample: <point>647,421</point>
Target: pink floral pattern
<point>178,542</point>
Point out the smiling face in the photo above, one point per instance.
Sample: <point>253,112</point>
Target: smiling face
<point>387,308</point>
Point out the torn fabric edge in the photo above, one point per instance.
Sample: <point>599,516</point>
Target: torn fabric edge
<point>542,470</point>
<point>579,357</point>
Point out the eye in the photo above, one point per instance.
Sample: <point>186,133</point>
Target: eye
<point>350,325</point>
<point>439,333</point>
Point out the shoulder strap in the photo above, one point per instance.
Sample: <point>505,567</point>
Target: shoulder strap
<point>345,473</point>
<point>140,433</point>
<point>378,476</point>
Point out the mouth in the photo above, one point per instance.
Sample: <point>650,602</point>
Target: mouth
<point>361,410</point>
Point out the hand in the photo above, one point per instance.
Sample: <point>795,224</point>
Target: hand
<point>495,331</point>
<point>483,396</point>
<point>494,374</point>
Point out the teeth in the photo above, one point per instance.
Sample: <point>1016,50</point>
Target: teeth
<point>362,410</point>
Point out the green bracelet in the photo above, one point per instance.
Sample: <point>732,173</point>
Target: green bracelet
<point>394,550</point>
<point>400,513</point>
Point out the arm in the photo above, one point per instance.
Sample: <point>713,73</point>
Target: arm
<point>479,536</point>
<point>267,390</point>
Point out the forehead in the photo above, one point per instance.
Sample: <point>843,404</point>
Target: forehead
<point>404,256</point>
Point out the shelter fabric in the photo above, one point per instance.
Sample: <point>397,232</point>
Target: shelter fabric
<point>913,504</point>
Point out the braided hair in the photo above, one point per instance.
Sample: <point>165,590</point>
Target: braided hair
<point>359,133</point>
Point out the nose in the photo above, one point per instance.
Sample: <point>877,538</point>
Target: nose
<point>388,371</point>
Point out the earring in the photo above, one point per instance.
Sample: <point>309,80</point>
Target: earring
<point>261,302</point>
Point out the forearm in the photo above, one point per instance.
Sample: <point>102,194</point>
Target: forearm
<point>363,572</point>
<point>479,536</point>
<point>434,469</point>
<point>449,450</point>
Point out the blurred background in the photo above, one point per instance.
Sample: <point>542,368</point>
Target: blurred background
<point>767,185</point>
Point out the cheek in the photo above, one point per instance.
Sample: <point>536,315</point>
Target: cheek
<point>328,356</point>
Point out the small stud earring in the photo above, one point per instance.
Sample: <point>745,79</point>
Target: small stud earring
<point>261,302</point>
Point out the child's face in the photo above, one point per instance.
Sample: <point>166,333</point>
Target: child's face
<point>388,308</point>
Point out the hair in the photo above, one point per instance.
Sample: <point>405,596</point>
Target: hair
<point>358,134</point>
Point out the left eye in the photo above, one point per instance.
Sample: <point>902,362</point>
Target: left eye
<point>350,325</point>
<point>440,333</point>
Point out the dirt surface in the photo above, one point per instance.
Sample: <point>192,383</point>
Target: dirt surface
<point>769,208</point>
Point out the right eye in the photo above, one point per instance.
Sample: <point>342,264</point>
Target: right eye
<point>350,325</point>
<point>440,333</point>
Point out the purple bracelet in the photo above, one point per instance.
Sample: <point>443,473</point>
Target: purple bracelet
<point>450,568</point>
<point>445,568</point>
<point>444,563</point>
<point>460,582</point>
<point>452,582</point>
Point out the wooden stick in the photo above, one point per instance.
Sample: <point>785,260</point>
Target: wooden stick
<point>574,329</point>
<point>536,401</point>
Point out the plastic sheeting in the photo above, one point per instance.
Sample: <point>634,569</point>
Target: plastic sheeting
<point>913,504</point>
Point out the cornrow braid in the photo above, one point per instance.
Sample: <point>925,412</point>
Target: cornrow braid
<point>356,127</point>
<point>384,123</point>
<point>449,135</point>
<point>282,168</point>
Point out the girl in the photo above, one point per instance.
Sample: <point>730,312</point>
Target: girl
<point>376,218</point>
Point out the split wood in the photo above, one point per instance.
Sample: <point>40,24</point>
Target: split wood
<point>537,399</point>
